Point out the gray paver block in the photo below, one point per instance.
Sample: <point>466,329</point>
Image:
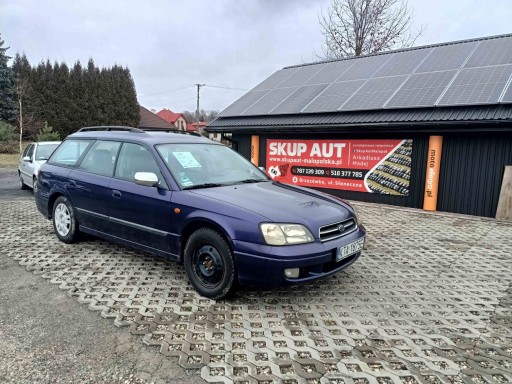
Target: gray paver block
<point>430,301</point>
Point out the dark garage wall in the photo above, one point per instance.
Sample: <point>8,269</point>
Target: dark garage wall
<point>472,172</point>
<point>242,143</point>
<point>418,168</point>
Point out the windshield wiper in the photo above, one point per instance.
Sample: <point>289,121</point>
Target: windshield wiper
<point>204,185</point>
<point>248,181</point>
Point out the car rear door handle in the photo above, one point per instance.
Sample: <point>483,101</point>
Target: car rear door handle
<point>116,194</point>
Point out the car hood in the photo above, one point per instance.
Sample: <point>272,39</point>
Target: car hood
<point>282,203</point>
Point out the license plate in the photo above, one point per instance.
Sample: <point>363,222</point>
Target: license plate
<point>350,249</point>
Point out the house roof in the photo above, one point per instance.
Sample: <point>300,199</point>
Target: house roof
<point>170,116</point>
<point>150,120</point>
<point>485,118</point>
<point>192,127</point>
<point>466,80</point>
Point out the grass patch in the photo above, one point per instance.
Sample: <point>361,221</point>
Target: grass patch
<point>9,160</point>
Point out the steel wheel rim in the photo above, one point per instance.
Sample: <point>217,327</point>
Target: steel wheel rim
<point>62,219</point>
<point>208,266</point>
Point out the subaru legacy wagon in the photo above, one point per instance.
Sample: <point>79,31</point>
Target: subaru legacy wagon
<point>190,199</point>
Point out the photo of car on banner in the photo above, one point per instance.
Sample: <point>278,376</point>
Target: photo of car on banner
<point>372,166</point>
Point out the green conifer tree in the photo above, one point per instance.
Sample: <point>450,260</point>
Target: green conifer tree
<point>61,90</point>
<point>7,97</point>
<point>47,134</point>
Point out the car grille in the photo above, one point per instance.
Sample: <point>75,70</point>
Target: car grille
<point>336,230</point>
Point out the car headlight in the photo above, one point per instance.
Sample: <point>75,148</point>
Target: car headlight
<point>285,234</point>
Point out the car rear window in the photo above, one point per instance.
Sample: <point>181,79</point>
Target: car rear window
<point>69,152</point>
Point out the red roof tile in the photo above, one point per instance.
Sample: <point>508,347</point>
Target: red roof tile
<point>150,120</point>
<point>170,116</point>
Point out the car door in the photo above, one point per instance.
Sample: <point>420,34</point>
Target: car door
<point>27,166</point>
<point>90,183</point>
<point>139,214</point>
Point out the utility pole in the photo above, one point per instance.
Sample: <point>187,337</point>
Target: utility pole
<point>197,110</point>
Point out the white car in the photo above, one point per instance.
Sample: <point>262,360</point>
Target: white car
<point>34,155</point>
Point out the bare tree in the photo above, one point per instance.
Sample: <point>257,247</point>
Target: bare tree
<point>204,115</point>
<point>360,27</point>
<point>20,91</point>
<point>21,69</point>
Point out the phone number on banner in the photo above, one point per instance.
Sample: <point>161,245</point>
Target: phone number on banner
<point>355,174</point>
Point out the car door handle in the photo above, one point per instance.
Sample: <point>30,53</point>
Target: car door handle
<point>116,194</point>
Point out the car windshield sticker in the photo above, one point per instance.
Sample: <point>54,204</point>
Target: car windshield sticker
<point>184,180</point>
<point>187,160</point>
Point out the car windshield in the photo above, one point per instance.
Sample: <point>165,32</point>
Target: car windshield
<point>45,150</point>
<point>208,165</point>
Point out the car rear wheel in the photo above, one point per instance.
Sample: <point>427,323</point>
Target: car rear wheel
<point>22,184</point>
<point>209,264</point>
<point>64,220</point>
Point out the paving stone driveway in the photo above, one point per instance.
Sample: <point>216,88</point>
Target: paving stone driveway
<point>430,301</point>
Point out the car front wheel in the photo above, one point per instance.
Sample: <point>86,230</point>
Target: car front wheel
<point>64,220</point>
<point>209,264</point>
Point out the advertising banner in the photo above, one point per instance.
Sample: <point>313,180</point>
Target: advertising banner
<point>374,166</point>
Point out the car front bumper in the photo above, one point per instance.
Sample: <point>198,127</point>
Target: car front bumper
<point>264,266</point>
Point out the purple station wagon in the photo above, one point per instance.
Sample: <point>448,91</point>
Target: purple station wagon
<point>190,199</point>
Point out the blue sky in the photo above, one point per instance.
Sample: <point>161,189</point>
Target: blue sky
<point>171,45</point>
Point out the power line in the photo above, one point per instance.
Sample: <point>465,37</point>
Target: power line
<point>188,99</point>
<point>218,86</point>
<point>194,85</point>
<point>169,91</point>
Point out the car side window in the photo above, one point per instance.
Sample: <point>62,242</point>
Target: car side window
<point>135,158</point>
<point>69,152</point>
<point>30,150</point>
<point>100,159</point>
<point>25,152</point>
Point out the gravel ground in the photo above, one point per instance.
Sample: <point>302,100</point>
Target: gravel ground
<point>48,337</point>
<point>10,187</point>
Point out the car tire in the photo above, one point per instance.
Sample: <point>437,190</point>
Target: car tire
<point>209,264</point>
<point>34,184</point>
<point>23,186</point>
<point>64,220</point>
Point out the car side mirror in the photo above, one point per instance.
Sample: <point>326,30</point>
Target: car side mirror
<point>26,158</point>
<point>148,179</point>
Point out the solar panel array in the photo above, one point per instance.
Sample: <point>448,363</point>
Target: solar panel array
<point>462,73</point>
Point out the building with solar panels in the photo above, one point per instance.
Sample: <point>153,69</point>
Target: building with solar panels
<point>427,127</point>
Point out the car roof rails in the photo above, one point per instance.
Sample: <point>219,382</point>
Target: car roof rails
<point>138,130</point>
<point>110,128</point>
<point>170,130</point>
